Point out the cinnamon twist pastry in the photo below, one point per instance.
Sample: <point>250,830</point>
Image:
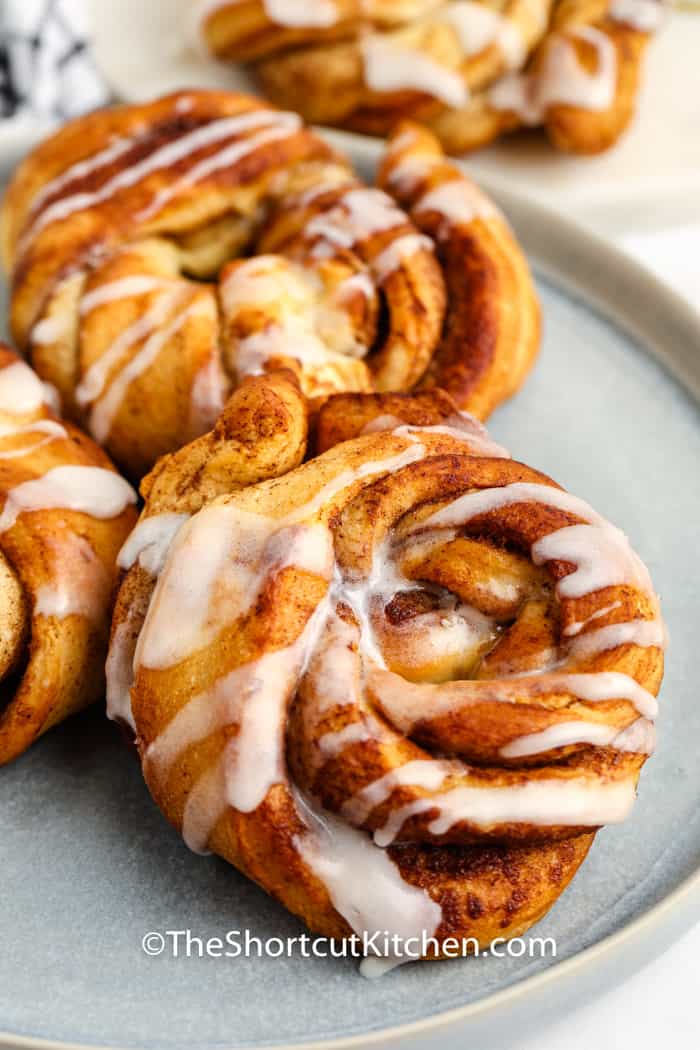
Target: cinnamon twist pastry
<point>473,69</point>
<point>244,30</point>
<point>123,233</point>
<point>411,664</point>
<point>487,346</point>
<point>65,514</point>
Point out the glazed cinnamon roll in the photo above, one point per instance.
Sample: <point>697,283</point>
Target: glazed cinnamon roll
<point>492,324</point>
<point>244,30</point>
<point>474,70</point>
<point>161,253</point>
<point>411,663</point>
<point>65,514</point>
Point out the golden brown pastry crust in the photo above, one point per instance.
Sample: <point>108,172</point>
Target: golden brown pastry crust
<point>57,565</point>
<point>116,231</point>
<point>246,31</point>
<point>334,739</point>
<point>492,326</point>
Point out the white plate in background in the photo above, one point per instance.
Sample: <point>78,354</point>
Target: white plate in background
<point>651,178</point>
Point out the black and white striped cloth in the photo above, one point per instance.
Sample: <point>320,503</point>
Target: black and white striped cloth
<point>46,71</point>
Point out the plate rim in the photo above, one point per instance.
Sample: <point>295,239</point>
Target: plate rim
<point>580,261</point>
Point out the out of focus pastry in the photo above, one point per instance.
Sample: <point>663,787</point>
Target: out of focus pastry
<point>469,69</point>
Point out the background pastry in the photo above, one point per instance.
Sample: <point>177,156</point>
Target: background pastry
<point>65,514</point>
<point>469,69</point>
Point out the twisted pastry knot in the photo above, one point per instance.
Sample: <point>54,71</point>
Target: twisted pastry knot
<point>470,69</point>
<point>65,513</point>
<point>120,231</point>
<point>410,663</point>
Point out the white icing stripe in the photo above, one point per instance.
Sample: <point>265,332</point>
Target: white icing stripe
<point>106,408</point>
<point>302,14</point>
<point>562,81</point>
<point>91,490</point>
<point>80,585</point>
<point>122,288</point>
<point>120,673</point>
<point>334,743</point>
<point>284,125</point>
<point>357,215</point>
<point>163,157</point>
<point>219,559</point>
<point>81,169</point>
<point>459,201</point>
<point>646,16</point>
<point>563,734</point>
<point>645,633</point>
<point>21,390</point>
<point>483,501</point>
<point>397,253</point>
<point>149,542</point>
<point>52,329</point>
<point>602,556</point>
<point>95,379</point>
<point>406,704</point>
<point>478,27</point>
<point>347,862</point>
<point>601,553</point>
<point>463,427</point>
<point>48,427</point>
<point>389,67</point>
<point>545,802</point>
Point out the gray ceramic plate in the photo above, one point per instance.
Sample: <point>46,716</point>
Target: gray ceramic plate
<point>88,865</point>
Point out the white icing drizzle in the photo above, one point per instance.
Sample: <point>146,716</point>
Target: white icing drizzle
<point>334,743</point>
<point>397,253</point>
<point>347,862</point>
<point>578,802</point>
<point>647,16</point>
<point>277,124</point>
<point>96,377</point>
<point>210,389</point>
<point>459,201</point>
<point>462,426</point>
<point>562,81</point>
<point>21,390</point>
<point>48,427</point>
<point>95,491</point>
<point>389,67</point>
<point>358,214</point>
<point>120,672</point>
<point>149,542</point>
<point>106,408</point>
<point>644,633</point>
<point>283,125</point>
<point>121,288</point>
<point>51,330</point>
<point>82,590</point>
<point>216,565</point>
<point>408,703</point>
<point>640,738</point>
<point>478,27</point>
<point>302,14</point>
<point>297,319</point>
<point>218,560</point>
